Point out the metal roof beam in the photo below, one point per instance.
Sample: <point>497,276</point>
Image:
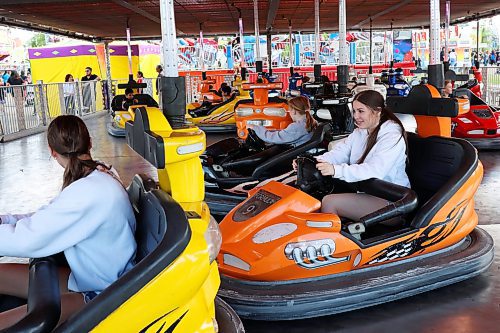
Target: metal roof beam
<point>37,27</point>
<point>271,13</point>
<point>388,10</point>
<point>138,10</point>
<point>34,2</point>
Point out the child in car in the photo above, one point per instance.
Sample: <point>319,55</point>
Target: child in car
<point>129,99</point>
<point>298,132</point>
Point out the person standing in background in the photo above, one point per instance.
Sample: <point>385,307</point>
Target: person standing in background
<point>140,79</point>
<point>69,94</point>
<point>18,94</point>
<point>88,87</point>
<point>159,70</point>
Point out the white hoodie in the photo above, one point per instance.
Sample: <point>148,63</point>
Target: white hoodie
<point>91,220</point>
<point>386,160</point>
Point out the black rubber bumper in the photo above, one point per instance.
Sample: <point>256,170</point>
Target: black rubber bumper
<point>486,143</point>
<point>217,128</point>
<point>287,300</point>
<point>222,204</point>
<point>227,319</point>
<point>115,131</point>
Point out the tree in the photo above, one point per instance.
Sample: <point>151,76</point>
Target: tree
<point>38,40</point>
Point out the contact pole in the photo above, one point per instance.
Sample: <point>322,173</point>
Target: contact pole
<point>435,69</point>
<point>316,32</point>
<point>256,25</point>
<point>168,38</point>
<point>343,68</point>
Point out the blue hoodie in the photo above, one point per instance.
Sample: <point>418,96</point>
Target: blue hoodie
<point>295,134</point>
<point>91,220</point>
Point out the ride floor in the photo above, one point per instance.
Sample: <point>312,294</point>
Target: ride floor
<point>29,179</point>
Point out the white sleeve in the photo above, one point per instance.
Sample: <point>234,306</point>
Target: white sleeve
<point>290,134</point>
<point>66,221</point>
<point>388,149</point>
<point>341,152</point>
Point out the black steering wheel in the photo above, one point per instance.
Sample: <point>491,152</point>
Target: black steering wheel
<point>310,180</point>
<point>254,142</point>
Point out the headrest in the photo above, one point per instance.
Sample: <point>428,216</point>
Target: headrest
<point>421,101</point>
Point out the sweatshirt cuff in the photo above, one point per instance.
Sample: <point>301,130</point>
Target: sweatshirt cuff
<point>339,171</point>
<point>8,219</point>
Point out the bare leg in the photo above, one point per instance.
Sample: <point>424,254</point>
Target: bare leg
<point>351,205</point>
<point>14,279</point>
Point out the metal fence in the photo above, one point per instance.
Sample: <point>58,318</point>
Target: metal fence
<point>29,108</point>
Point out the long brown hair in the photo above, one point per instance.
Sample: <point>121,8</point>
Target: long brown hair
<point>375,101</point>
<point>302,106</point>
<point>68,136</point>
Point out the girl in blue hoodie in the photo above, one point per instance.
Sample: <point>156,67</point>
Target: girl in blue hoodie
<point>91,221</point>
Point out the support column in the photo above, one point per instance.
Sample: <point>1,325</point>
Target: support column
<point>290,44</point>
<point>242,41</point>
<point>435,69</point>
<point>370,68</point>
<point>477,44</point>
<point>343,67</point>
<point>172,87</point>
<point>168,38</point>
<point>269,52</point>
<point>202,50</point>
<point>446,61</point>
<point>107,60</point>
<point>316,32</point>
<point>256,25</point>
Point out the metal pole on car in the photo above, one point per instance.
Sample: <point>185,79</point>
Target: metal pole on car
<point>256,25</point>
<point>107,59</point>
<point>446,35</point>
<point>370,68</point>
<point>316,32</point>
<point>202,50</point>
<point>391,52</point>
<point>172,87</point>
<point>290,43</point>
<point>242,42</point>
<point>435,69</point>
<point>343,67</point>
<point>129,55</point>
<point>477,43</point>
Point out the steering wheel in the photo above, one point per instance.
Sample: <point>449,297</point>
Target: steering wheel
<point>254,142</point>
<point>310,180</point>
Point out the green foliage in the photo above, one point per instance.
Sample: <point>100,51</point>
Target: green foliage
<point>38,40</point>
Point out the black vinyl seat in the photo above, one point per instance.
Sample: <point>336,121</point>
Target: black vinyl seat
<point>438,167</point>
<point>206,108</point>
<point>142,99</point>
<point>432,162</point>
<point>162,234</point>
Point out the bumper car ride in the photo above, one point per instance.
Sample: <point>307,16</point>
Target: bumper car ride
<point>119,117</point>
<point>281,259</point>
<point>164,258</point>
<point>480,126</point>
<point>233,168</point>
<point>217,117</point>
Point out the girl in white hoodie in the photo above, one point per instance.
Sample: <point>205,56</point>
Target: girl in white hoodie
<point>91,221</point>
<point>377,148</point>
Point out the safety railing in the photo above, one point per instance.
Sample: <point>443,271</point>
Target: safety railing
<point>29,108</point>
<point>491,82</point>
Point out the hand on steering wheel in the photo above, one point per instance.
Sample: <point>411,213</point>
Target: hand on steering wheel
<point>254,141</point>
<point>310,179</point>
<point>325,168</point>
